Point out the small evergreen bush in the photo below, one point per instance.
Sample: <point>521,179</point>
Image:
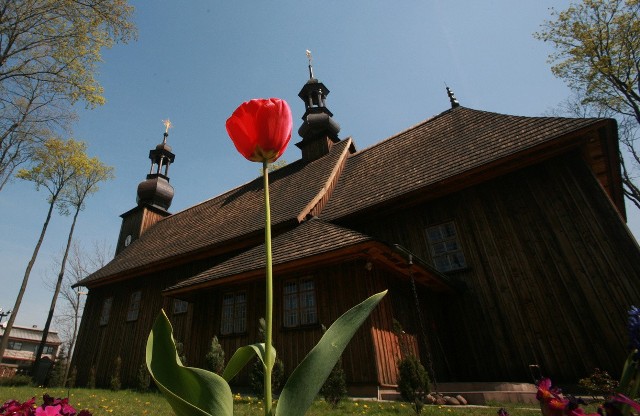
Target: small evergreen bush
<point>115,383</point>
<point>73,375</point>
<point>256,377</point>
<point>91,383</point>
<point>143,380</point>
<point>335,388</point>
<point>599,383</point>
<point>413,382</point>
<point>214,360</point>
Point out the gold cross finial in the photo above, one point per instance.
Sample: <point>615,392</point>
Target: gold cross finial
<point>167,125</point>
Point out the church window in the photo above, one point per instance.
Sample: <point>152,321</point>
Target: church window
<point>234,313</point>
<point>106,311</point>
<point>180,306</point>
<point>134,306</point>
<point>299,303</point>
<point>446,250</point>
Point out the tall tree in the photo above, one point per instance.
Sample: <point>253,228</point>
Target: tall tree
<point>73,196</point>
<point>597,52</point>
<point>56,164</point>
<point>49,50</point>
<point>83,260</point>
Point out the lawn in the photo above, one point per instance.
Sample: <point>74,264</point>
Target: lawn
<point>129,403</point>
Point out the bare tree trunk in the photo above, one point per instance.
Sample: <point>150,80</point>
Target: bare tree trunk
<point>25,280</point>
<point>54,299</point>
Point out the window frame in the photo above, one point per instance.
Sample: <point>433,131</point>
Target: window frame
<point>133,311</point>
<point>297,314</point>
<point>447,253</point>
<point>233,313</point>
<point>183,308</point>
<point>105,311</point>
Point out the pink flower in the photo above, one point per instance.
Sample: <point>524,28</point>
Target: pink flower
<point>261,129</point>
<point>49,411</point>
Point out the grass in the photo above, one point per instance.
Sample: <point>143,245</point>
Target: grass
<point>130,403</point>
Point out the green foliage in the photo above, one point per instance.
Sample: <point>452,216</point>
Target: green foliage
<point>256,376</point>
<point>413,382</point>
<point>191,391</point>
<point>91,383</point>
<point>131,403</point>
<point>181,354</point>
<point>16,380</point>
<point>143,379</point>
<point>56,374</point>
<point>599,383</point>
<point>596,53</point>
<point>73,375</point>
<point>49,55</point>
<point>214,360</point>
<point>115,383</point>
<point>334,390</point>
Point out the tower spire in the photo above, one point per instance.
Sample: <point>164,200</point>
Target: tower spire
<point>452,98</point>
<point>318,130</point>
<point>156,190</point>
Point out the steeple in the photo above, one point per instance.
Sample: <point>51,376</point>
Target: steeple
<point>318,131</point>
<point>452,98</point>
<point>154,195</point>
<point>156,190</point>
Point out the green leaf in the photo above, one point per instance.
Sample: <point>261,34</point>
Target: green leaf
<point>189,391</point>
<point>307,379</point>
<point>242,356</point>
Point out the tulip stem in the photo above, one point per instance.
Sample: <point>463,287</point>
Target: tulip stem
<point>268,356</point>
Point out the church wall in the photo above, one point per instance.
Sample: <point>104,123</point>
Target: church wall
<point>551,271</point>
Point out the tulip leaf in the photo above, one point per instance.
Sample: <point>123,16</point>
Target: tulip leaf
<point>307,379</point>
<point>242,356</point>
<point>189,391</point>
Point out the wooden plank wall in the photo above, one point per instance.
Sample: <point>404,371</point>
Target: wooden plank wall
<point>551,273</point>
<point>338,288</point>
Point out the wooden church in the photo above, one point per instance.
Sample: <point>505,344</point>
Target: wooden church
<point>501,239</point>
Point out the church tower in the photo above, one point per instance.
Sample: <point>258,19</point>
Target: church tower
<point>319,131</point>
<point>154,195</point>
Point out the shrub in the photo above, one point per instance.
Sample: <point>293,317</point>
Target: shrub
<point>143,380</point>
<point>599,383</point>
<point>181,354</point>
<point>214,360</point>
<point>115,383</point>
<point>335,388</point>
<point>15,381</point>
<point>413,382</point>
<point>256,376</point>
<point>91,383</point>
<point>73,375</point>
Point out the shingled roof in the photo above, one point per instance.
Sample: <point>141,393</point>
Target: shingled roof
<point>310,239</point>
<point>294,189</point>
<point>454,142</point>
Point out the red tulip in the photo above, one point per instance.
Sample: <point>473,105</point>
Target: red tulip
<point>261,129</point>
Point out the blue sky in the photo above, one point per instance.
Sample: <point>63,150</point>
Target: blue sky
<point>385,62</point>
